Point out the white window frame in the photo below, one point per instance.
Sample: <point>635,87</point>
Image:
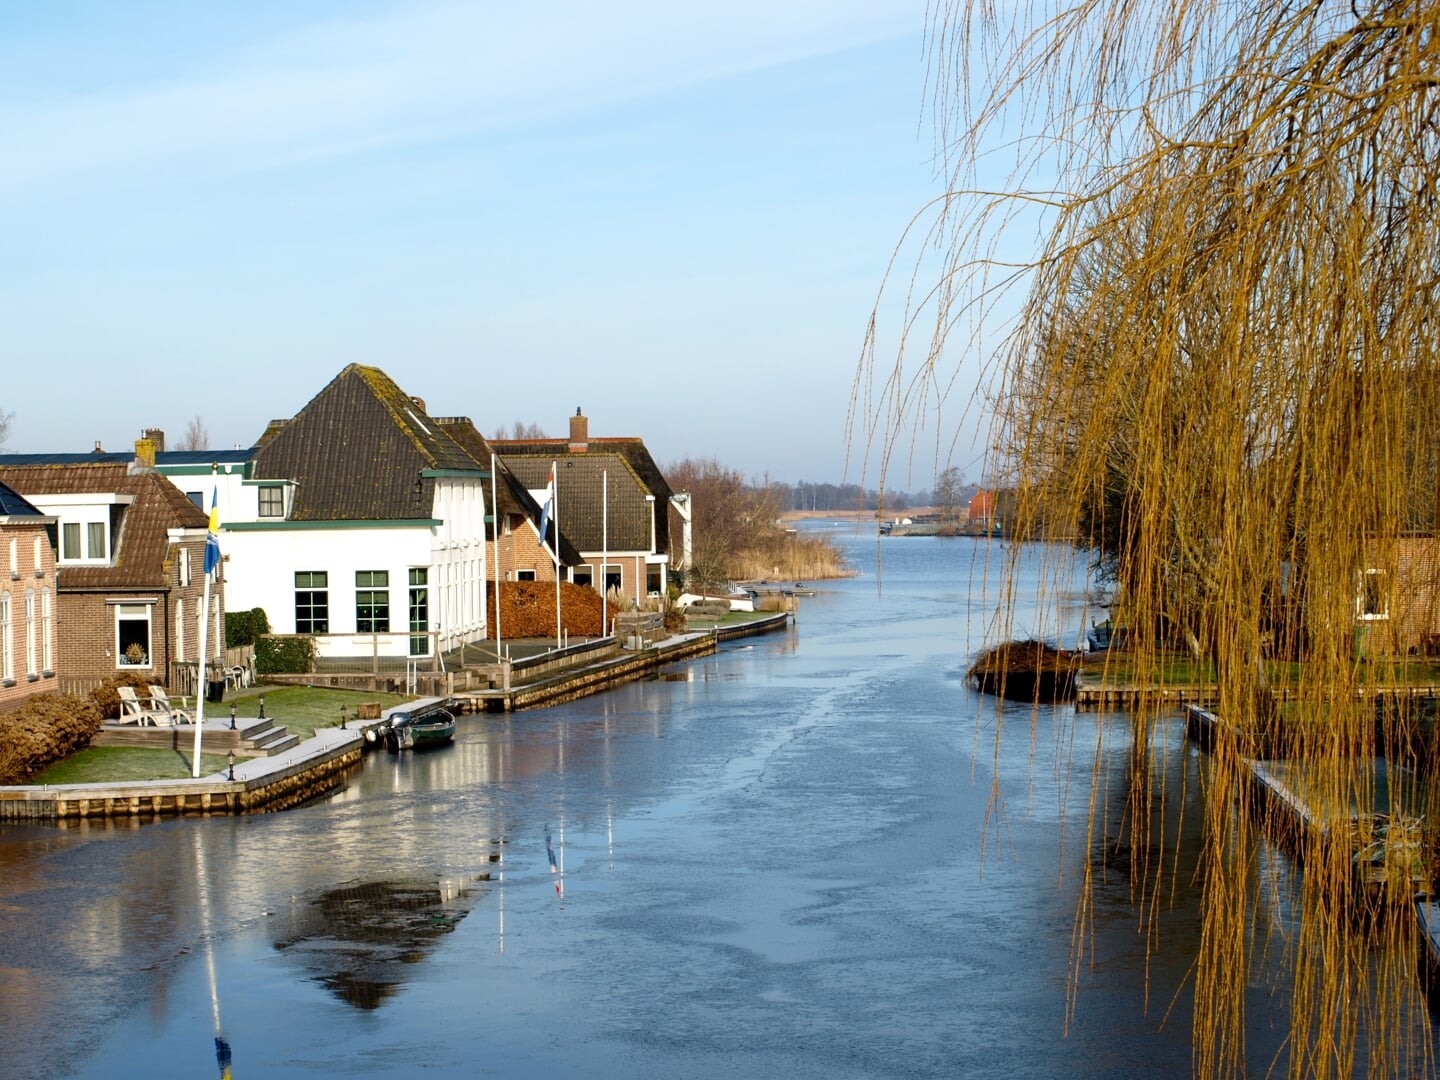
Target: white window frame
<point>7,646</point>
<point>32,669</point>
<point>129,613</point>
<point>1382,593</point>
<point>184,567</point>
<point>14,559</point>
<point>47,653</point>
<point>39,562</point>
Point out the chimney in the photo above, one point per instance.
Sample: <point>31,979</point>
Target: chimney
<point>579,432</point>
<point>98,448</point>
<point>157,436</point>
<point>419,403</point>
<point>145,454</point>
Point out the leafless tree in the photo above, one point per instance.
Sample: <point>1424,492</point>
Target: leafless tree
<point>196,437</point>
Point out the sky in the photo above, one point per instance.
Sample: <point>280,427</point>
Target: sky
<point>674,217</point>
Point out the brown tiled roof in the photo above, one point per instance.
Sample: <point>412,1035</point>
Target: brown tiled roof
<point>140,542</point>
<point>511,493</point>
<point>633,475</point>
<point>357,451</point>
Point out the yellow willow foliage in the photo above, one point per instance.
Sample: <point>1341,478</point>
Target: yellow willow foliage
<point>1222,378</point>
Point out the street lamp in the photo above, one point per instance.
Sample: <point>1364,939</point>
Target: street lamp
<point>262,706</point>
<point>232,716</point>
<point>231,756</point>
<point>344,715</point>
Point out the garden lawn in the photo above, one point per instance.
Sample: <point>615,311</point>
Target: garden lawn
<point>301,709</point>
<point>124,764</point>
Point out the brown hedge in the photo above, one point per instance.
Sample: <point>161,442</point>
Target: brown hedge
<point>43,729</point>
<point>527,609</point>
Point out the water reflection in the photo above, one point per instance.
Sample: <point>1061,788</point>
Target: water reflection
<point>360,940</point>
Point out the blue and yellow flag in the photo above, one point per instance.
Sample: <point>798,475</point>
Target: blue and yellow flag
<point>212,539</point>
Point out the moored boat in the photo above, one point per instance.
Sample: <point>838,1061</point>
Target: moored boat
<point>429,723</point>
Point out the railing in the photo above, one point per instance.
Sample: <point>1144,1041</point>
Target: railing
<point>399,654</point>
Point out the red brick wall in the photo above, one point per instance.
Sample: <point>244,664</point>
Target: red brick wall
<point>26,574</point>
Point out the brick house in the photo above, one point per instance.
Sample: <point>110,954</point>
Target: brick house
<point>1397,597</point>
<point>522,556</point>
<point>129,585</point>
<point>613,504</point>
<point>27,600</point>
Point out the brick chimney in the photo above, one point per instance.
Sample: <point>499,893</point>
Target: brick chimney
<point>145,454</point>
<point>579,432</point>
<point>157,436</point>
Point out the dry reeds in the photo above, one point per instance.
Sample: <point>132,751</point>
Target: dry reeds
<point>1222,378</point>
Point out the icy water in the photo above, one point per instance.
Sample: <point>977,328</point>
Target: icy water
<point>816,854</point>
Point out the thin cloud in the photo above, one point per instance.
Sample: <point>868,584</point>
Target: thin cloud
<point>413,76</point>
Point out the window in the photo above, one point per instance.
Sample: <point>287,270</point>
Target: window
<point>312,602</point>
<point>180,630</point>
<point>7,646</point>
<point>14,558</point>
<point>47,661</point>
<point>584,574</point>
<point>419,612</point>
<point>132,636</point>
<point>95,540</point>
<point>372,601</point>
<point>184,567</point>
<point>70,540</point>
<point>39,562</point>
<point>272,501</point>
<point>524,575</point>
<point>614,576</point>
<point>31,667</point>
<point>1373,603</point>
<point>197,497</point>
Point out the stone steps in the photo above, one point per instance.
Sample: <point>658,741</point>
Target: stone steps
<point>264,738</point>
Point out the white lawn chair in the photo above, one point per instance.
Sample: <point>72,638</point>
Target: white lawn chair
<point>160,702</point>
<point>132,711</point>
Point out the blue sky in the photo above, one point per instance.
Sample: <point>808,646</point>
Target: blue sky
<point>676,219</point>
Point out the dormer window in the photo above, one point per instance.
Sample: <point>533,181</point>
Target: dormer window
<point>272,501</point>
<point>84,541</point>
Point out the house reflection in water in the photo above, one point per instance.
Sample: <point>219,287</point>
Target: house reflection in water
<point>357,939</point>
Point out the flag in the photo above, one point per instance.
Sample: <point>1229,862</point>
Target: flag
<point>549,504</point>
<point>212,538</point>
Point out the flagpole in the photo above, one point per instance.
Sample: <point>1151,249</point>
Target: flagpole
<point>200,678</point>
<point>495,513</point>
<point>604,551</point>
<point>556,553</point>
<point>211,565</point>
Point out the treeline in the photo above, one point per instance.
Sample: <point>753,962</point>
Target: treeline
<point>737,535</point>
<point>805,495</point>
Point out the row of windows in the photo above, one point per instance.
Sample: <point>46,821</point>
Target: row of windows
<point>271,500</point>
<point>36,659</point>
<point>372,602</point>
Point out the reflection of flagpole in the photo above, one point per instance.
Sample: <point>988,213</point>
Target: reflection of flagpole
<point>555,495</point>
<point>202,885</point>
<point>212,562</point>
<point>495,513</point>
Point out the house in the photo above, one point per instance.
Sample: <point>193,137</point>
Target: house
<point>359,522</point>
<point>128,581</point>
<point>1397,597</point>
<point>612,503</point>
<point>518,554</point>
<point>27,600</point>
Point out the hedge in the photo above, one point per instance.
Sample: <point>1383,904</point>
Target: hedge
<point>42,729</point>
<point>245,627</point>
<point>284,655</point>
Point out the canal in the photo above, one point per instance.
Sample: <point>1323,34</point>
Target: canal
<point>814,854</point>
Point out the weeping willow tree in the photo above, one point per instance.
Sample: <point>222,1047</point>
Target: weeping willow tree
<point>1220,375</point>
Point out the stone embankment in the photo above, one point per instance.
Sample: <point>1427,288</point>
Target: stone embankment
<point>300,773</point>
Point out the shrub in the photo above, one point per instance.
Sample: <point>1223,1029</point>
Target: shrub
<point>284,655</point>
<point>44,729</point>
<point>107,701</point>
<point>245,627</point>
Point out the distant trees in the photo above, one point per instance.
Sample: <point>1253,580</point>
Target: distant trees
<point>736,529</point>
<point>5,419</point>
<point>196,437</point>
<point>520,430</point>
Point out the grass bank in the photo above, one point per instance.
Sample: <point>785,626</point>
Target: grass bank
<point>302,709</point>
<point>126,764</point>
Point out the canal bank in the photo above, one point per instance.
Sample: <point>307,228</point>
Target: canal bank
<point>299,772</point>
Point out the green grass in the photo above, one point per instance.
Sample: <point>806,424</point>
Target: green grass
<point>302,709</point>
<point>123,764</point>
